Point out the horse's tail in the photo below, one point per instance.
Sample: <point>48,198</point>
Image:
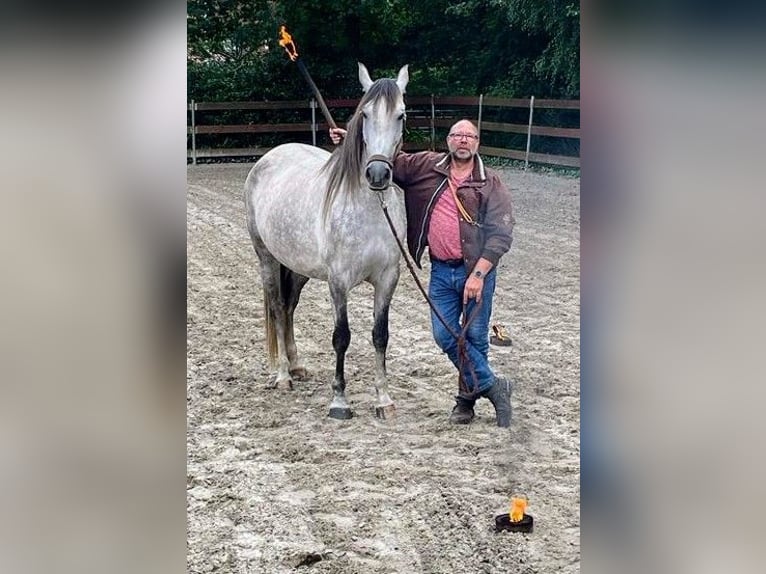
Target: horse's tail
<point>270,331</point>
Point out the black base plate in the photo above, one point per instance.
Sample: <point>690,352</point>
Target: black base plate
<point>503,522</point>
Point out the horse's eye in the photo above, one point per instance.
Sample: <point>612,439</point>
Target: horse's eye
<point>401,117</point>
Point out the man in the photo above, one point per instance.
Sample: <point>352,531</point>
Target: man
<point>463,212</point>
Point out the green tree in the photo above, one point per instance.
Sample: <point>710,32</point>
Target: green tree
<point>498,47</point>
<point>557,23</point>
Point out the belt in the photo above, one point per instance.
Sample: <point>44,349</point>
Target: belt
<point>449,262</point>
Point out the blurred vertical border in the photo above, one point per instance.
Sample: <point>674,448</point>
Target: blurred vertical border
<point>92,297</point>
<point>673,277</point>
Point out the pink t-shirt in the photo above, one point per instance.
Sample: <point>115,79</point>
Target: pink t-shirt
<point>444,229</point>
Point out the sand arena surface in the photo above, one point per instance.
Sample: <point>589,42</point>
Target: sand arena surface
<point>273,484</point>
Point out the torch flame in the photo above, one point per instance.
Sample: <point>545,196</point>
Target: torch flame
<point>286,41</point>
<point>518,506</point>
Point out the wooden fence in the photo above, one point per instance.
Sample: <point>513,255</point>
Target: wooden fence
<point>426,117</point>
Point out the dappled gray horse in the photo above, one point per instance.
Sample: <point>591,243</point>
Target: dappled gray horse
<point>316,216</point>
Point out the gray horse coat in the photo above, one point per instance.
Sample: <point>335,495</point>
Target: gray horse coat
<point>312,215</point>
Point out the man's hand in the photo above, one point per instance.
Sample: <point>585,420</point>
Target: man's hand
<point>474,285</point>
<point>337,134</point>
<point>473,288</point>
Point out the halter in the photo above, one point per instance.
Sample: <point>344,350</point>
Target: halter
<point>379,157</point>
<point>385,160</point>
<point>382,159</point>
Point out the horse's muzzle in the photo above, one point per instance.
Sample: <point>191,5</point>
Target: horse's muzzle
<point>378,172</point>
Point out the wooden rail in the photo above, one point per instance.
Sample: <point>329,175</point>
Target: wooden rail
<point>425,115</point>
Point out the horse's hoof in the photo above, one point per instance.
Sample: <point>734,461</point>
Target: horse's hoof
<point>299,374</point>
<point>285,385</point>
<point>387,412</point>
<point>341,413</point>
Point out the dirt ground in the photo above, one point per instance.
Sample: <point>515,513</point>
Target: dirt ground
<point>274,485</point>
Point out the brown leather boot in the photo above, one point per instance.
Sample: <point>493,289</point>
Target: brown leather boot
<point>462,413</point>
<point>499,395</point>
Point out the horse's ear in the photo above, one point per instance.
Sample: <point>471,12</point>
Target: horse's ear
<point>403,78</point>
<point>364,77</point>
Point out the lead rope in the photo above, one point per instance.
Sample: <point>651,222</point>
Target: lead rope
<point>463,357</point>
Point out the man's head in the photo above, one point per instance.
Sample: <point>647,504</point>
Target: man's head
<point>463,140</point>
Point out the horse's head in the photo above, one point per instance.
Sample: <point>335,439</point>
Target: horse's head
<point>381,117</point>
<point>373,138</point>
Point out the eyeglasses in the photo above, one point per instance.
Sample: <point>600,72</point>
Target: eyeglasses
<point>461,136</point>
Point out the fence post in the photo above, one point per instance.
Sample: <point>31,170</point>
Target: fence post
<point>193,134</point>
<point>481,102</point>
<point>529,131</point>
<point>433,126</point>
<point>313,122</point>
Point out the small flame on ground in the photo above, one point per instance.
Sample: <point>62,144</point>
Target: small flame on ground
<point>286,41</point>
<point>518,506</point>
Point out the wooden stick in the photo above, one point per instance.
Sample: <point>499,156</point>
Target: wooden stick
<point>317,95</point>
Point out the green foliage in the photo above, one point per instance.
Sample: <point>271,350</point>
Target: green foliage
<point>557,23</point>
<point>512,48</point>
<point>558,170</point>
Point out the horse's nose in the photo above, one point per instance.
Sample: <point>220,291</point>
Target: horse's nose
<point>378,174</point>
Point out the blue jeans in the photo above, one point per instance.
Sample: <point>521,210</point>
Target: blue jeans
<point>446,293</point>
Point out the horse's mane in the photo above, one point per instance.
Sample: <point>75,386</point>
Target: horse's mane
<point>345,168</point>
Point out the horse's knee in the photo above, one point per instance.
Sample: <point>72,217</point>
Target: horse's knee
<point>341,337</point>
<point>380,331</point>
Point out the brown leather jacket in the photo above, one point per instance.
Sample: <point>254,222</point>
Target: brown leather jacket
<point>423,176</point>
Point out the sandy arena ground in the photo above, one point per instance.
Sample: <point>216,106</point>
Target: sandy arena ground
<point>274,485</point>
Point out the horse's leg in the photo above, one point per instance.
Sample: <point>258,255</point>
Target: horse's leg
<point>341,337</point>
<point>384,291</point>
<point>271,276</point>
<point>292,284</point>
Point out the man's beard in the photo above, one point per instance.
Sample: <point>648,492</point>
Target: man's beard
<point>465,155</point>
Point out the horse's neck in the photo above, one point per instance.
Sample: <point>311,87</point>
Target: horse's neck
<point>361,201</point>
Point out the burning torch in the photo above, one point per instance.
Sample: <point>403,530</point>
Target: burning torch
<point>286,41</point>
<point>516,520</point>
